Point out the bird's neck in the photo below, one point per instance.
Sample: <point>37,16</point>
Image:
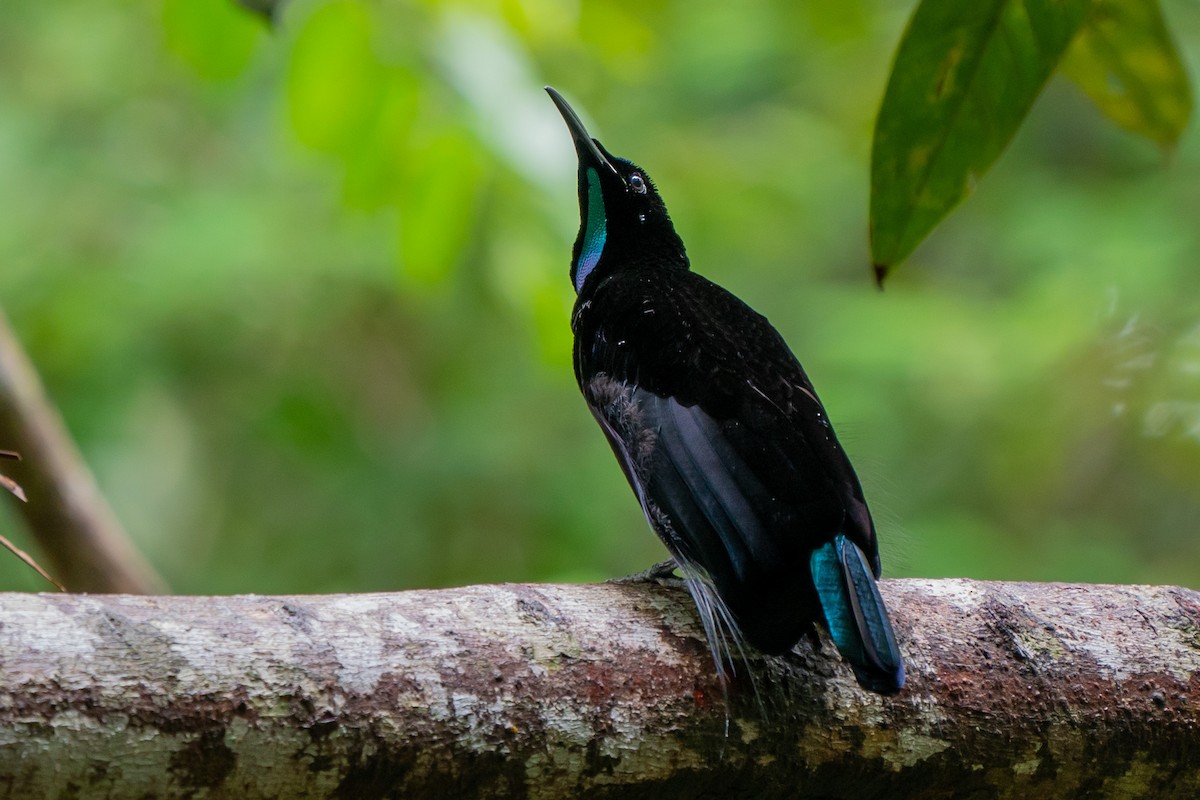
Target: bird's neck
<point>655,259</point>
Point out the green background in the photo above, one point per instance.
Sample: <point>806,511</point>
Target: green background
<point>303,296</point>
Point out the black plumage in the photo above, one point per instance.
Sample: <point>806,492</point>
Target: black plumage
<point>720,433</point>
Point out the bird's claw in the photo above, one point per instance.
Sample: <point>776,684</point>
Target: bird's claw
<point>662,571</point>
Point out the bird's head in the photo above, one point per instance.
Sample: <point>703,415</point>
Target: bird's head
<point>622,218</point>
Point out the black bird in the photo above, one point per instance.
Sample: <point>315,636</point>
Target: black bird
<point>720,433</point>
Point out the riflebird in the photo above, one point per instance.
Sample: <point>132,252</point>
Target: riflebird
<point>720,433</point>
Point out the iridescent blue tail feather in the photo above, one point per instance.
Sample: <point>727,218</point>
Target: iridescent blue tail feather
<point>855,615</point>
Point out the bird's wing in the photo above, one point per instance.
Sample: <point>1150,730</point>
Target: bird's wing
<point>724,498</point>
<point>686,463</point>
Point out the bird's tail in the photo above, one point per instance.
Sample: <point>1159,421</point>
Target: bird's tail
<point>855,615</point>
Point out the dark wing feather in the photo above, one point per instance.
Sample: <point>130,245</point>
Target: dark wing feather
<point>709,508</point>
<point>681,458</point>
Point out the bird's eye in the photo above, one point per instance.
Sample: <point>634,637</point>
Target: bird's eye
<point>637,183</point>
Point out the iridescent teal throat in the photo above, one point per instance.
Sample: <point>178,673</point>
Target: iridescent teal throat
<point>594,233</point>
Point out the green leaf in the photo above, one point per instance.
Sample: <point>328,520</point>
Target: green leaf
<point>1125,61</point>
<point>216,39</point>
<point>965,76</point>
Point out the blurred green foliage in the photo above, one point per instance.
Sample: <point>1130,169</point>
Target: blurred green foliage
<point>1125,59</point>
<point>302,295</point>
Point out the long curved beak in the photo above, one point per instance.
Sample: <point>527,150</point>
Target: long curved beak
<point>585,145</point>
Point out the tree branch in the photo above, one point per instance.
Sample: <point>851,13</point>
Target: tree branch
<point>66,513</point>
<point>1015,690</point>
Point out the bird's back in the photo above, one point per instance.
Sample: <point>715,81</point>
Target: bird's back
<point>723,439</point>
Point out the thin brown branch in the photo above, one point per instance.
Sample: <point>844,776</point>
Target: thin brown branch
<point>15,489</point>
<point>66,514</point>
<point>29,561</point>
<point>543,691</point>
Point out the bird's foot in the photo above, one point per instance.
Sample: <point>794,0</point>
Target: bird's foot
<point>662,571</point>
